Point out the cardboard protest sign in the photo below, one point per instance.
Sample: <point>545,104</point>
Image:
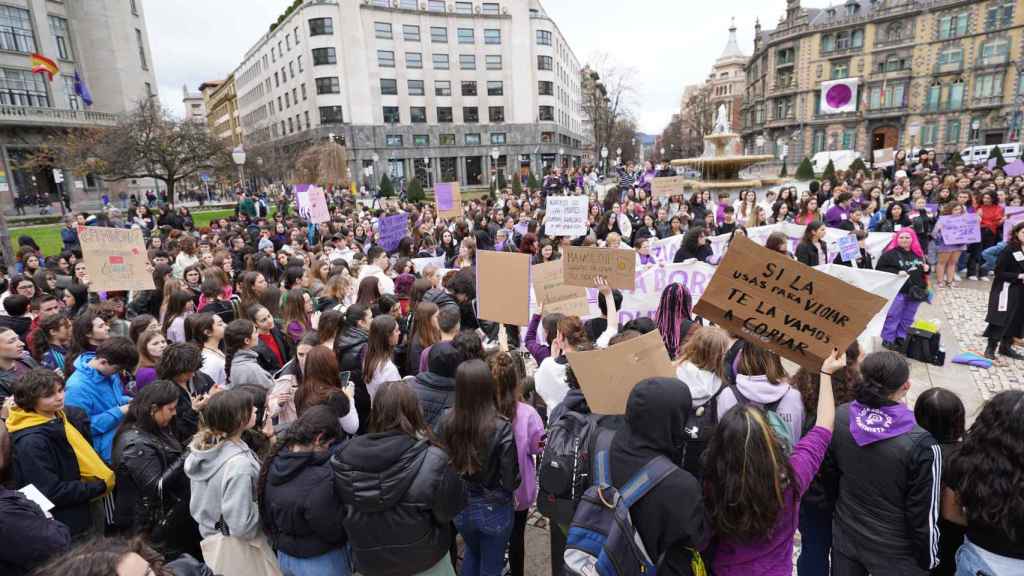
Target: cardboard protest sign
<point>882,284</point>
<point>566,216</point>
<point>962,229</point>
<point>668,186</point>
<point>1014,216</point>
<point>449,199</point>
<point>392,229</point>
<point>848,247</point>
<point>311,203</point>
<point>884,157</point>
<point>115,259</point>
<point>503,287</point>
<point>608,376</point>
<point>773,301</point>
<point>420,264</point>
<point>554,295</point>
<point>583,264</point>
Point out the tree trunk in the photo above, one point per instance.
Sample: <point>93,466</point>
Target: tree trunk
<point>5,243</point>
<point>170,191</point>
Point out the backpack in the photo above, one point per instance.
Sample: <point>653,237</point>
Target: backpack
<point>602,540</point>
<point>777,424</point>
<point>700,425</point>
<point>564,470</point>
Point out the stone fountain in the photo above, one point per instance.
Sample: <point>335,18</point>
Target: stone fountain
<point>723,159</point>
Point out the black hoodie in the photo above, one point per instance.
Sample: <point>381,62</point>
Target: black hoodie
<point>300,509</point>
<point>436,387</point>
<point>669,518</point>
<point>349,347</point>
<point>399,495</point>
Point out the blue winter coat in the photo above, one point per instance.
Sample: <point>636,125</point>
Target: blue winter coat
<point>101,397</point>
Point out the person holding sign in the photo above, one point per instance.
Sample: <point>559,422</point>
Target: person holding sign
<point>949,254</point>
<point>904,256</point>
<point>1006,299</point>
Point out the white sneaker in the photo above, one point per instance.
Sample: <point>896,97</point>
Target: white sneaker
<point>972,277</point>
<point>956,277</point>
<point>986,278</point>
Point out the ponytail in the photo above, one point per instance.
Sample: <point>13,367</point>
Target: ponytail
<point>883,374</point>
<point>235,335</point>
<point>571,329</point>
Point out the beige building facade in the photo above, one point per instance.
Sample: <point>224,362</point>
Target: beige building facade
<point>222,105</point>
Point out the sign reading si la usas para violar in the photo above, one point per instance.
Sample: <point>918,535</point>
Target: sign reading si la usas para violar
<point>776,302</point>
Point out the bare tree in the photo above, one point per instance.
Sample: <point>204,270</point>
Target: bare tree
<point>609,94</point>
<point>325,164</point>
<point>697,120</point>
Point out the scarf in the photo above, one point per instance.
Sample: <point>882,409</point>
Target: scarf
<point>90,465</point>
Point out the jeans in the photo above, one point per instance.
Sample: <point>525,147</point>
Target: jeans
<point>991,254</point>
<point>899,319</point>
<point>334,563</point>
<point>815,540</point>
<point>972,560</point>
<point>485,527</point>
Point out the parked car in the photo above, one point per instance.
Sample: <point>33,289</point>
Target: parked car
<point>841,159</point>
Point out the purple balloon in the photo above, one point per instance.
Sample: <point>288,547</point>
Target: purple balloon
<point>838,96</point>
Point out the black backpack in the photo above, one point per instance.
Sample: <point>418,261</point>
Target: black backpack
<point>563,474</point>
<point>700,425</point>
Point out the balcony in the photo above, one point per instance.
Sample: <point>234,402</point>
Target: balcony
<point>885,111</point>
<point>840,117</point>
<point>987,101</point>
<point>33,116</point>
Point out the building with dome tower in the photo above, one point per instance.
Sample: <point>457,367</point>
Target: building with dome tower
<point>727,79</point>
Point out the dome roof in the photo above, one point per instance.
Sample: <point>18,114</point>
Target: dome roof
<point>732,48</point>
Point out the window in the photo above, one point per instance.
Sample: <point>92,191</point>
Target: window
<point>999,14</point>
<point>955,100</point>
<point>952,131</point>
<point>849,138</point>
<point>413,60</point>
<point>546,114</point>
<point>840,70</point>
<point>331,115</point>
<point>288,42</point>
<point>988,85</point>
<point>444,115</point>
<point>411,32</point>
<point>435,5</point>
<point>421,140</point>
<point>62,36</point>
<point>142,49</point>
<point>382,30</point>
<point>498,138</point>
<point>287,100</point>
<point>495,88</point>
<point>439,34</point>
<point>466,36</point>
<point>416,88</point>
<point>547,137</point>
<point>324,56</point>
<point>951,56</point>
<point>23,88</point>
<point>784,56</point>
<point>303,88</point>
<point>490,8</point>
<point>440,61</point>
<point>321,26</point>
<point>546,88</point>
<point>16,30</point>
<point>995,52</point>
<point>543,38</point>
<point>953,25</point>
<point>385,58</point>
<point>934,97</point>
<point>418,114</point>
<point>298,60</point>
<point>818,144</point>
<point>291,70</point>
<point>391,115</point>
<point>892,63</point>
<point>306,116</point>
<point>442,88</point>
<point>929,134</point>
<point>470,115</point>
<point>295,95</point>
<point>496,114</point>
<point>492,36</point>
<point>463,7</point>
<point>295,33</point>
<point>545,63</point>
<point>468,88</point>
<point>328,85</point>
<point>467,62</point>
<point>493,61</point>
<point>446,139</point>
<point>388,87</point>
<point>408,5</point>
<point>472,139</point>
<point>134,8</point>
<point>393,140</point>
<point>827,45</point>
<point>783,108</point>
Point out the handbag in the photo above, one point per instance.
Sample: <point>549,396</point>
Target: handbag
<point>925,346</point>
<point>228,555</point>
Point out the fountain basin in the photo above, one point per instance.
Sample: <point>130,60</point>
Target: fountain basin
<point>722,168</point>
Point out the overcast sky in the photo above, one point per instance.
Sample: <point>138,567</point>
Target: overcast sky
<point>670,43</point>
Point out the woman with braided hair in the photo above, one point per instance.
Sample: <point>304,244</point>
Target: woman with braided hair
<point>675,318</point>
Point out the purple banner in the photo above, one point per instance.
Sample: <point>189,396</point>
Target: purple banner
<point>1014,169</point>
<point>392,229</point>
<point>1014,216</point>
<point>443,195</point>
<point>965,229</point>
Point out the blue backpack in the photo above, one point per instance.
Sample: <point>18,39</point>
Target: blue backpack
<point>602,540</point>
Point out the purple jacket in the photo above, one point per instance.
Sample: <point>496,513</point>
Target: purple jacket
<point>836,215</point>
<point>538,350</point>
<point>529,431</point>
<point>774,556</point>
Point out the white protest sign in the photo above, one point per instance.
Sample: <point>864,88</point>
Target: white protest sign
<point>881,284</point>
<point>566,216</point>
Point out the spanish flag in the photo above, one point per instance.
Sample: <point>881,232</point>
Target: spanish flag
<point>43,65</point>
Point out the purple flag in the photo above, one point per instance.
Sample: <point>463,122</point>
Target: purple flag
<point>392,229</point>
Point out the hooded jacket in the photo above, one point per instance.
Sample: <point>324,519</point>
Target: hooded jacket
<point>886,470</point>
<point>101,397</point>
<point>43,456</point>
<point>349,347</point>
<point>9,377</point>
<point>19,517</point>
<point>670,518</point>
<point>702,384</point>
<point>400,496</point>
<point>436,387</point>
<point>758,390</point>
<point>246,369</point>
<point>223,482</point>
<point>300,508</point>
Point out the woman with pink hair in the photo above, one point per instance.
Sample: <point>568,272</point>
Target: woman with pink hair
<point>904,256</point>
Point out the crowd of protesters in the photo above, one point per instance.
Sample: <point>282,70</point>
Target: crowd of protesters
<point>292,398</point>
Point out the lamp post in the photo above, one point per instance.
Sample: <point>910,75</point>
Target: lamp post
<point>375,158</point>
<point>494,161</point>
<point>604,158</point>
<point>561,157</point>
<point>975,126</point>
<point>662,153</point>
<point>618,155</point>
<point>238,155</point>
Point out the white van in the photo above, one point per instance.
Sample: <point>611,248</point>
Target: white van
<point>841,159</point>
<point>979,154</point>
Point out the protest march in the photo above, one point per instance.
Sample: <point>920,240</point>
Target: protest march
<point>661,377</point>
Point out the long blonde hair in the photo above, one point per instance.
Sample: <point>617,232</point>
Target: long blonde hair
<point>706,350</point>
